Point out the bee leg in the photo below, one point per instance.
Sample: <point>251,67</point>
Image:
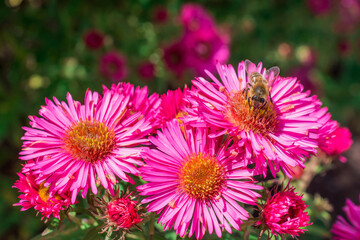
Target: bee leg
<point>249,103</point>
<point>270,97</point>
<point>264,104</point>
<point>247,91</point>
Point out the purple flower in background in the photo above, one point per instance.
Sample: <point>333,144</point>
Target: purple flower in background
<point>93,39</point>
<point>113,66</point>
<point>349,15</point>
<point>147,70</point>
<point>302,73</point>
<point>194,17</point>
<point>160,14</point>
<point>175,58</point>
<point>205,48</point>
<point>319,7</point>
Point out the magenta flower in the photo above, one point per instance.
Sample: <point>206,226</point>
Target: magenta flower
<point>113,66</point>
<point>348,230</point>
<point>276,134</point>
<point>173,105</point>
<point>194,17</point>
<point>284,213</point>
<point>123,212</point>
<point>39,197</point>
<point>333,139</point>
<point>194,182</point>
<point>205,48</point>
<point>93,39</point>
<point>75,146</point>
<point>139,101</point>
<point>348,16</point>
<point>147,70</point>
<point>175,58</point>
<point>303,74</point>
<point>120,213</point>
<point>319,7</point>
<point>160,14</point>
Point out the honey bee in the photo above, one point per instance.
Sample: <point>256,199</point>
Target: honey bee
<point>257,89</point>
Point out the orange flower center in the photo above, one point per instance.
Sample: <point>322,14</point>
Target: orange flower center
<point>240,113</point>
<point>89,141</point>
<point>202,177</point>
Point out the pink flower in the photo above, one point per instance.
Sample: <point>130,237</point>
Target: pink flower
<point>204,48</point>
<point>175,58</point>
<point>147,70</point>
<point>75,146</point>
<point>160,14</point>
<point>333,139</point>
<point>348,230</point>
<point>276,134</point>
<point>297,172</point>
<point>139,101</point>
<point>39,197</point>
<point>123,213</point>
<point>194,17</point>
<point>173,105</point>
<point>93,39</point>
<point>113,66</point>
<point>284,213</point>
<point>348,16</point>
<point>119,213</point>
<point>194,182</point>
<point>319,7</point>
<point>303,74</point>
<point>344,48</point>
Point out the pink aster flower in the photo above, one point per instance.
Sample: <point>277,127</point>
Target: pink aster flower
<point>303,74</point>
<point>74,146</point>
<point>39,197</point>
<point>204,48</point>
<point>139,101</point>
<point>113,66</point>
<point>147,70</point>
<point>173,105</point>
<point>93,39</point>
<point>120,213</point>
<point>160,14</point>
<point>194,17</point>
<point>276,132</point>
<point>319,7</point>
<point>348,16</point>
<point>348,230</point>
<point>284,213</point>
<point>194,183</point>
<point>333,139</point>
<point>175,57</point>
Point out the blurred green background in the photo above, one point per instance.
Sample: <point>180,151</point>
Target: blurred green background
<point>42,54</point>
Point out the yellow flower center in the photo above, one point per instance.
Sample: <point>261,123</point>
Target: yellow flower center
<point>44,193</point>
<point>89,141</point>
<point>202,177</point>
<point>240,113</point>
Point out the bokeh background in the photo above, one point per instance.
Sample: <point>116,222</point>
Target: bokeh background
<point>46,50</point>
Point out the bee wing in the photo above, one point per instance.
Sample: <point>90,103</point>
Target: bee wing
<point>250,67</point>
<point>272,72</point>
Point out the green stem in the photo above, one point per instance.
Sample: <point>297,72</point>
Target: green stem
<point>151,226</point>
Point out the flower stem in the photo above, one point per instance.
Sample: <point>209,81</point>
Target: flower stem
<point>151,226</point>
